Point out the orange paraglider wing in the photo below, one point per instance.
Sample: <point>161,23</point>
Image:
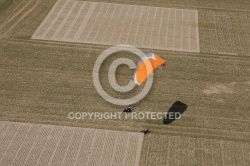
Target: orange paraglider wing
<point>141,71</point>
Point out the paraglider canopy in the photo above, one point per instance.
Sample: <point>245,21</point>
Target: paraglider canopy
<point>141,72</point>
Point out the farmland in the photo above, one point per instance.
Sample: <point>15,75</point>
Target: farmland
<point>41,82</point>
<point>57,145</point>
<point>148,27</point>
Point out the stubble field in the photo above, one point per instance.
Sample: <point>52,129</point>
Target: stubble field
<point>34,144</point>
<point>42,81</point>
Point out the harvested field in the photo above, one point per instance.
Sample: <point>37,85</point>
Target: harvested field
<point>53,80</point>
<point>42,81</point>
<point>112,24</point>
<point>224,32</point>
<point>179,150</point>
<point>30,144</point>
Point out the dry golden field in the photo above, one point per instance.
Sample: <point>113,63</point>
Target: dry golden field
<point>35,144</point>
<point>42,81</point>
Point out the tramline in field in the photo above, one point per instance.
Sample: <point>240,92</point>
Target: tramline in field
<point>33,144</point>
<point>112,24</point>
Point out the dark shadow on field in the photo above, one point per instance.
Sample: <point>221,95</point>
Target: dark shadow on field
<point>174,112</point>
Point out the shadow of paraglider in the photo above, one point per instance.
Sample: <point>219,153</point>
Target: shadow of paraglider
<point>175,112</point>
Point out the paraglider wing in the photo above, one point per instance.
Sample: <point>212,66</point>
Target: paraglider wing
<point>141,72</point>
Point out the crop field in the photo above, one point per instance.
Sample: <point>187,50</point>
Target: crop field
<point>34,144</point>
<point>225,32</point>
<point>179,150</point>
<point>105,23</point>
<point>42,81</point>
